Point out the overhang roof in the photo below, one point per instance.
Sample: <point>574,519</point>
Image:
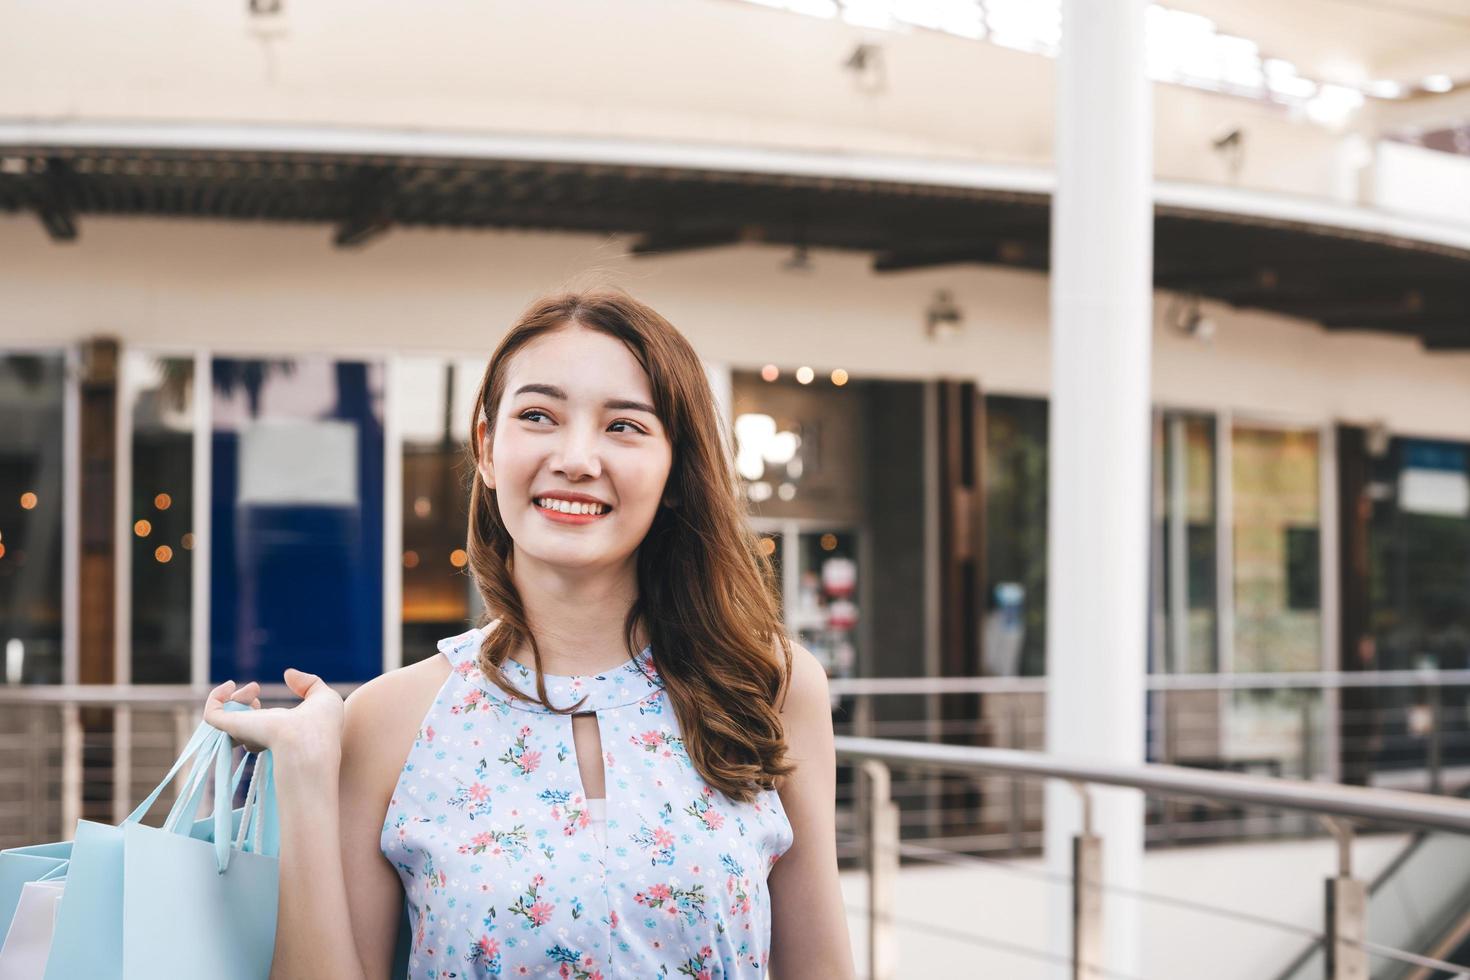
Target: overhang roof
<point>1347,268</point>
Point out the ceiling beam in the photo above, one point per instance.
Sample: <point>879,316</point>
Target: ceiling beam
<point>54,201</point>
<point>670,242</point>
<point>1011,251</point>
<point>368,215</point>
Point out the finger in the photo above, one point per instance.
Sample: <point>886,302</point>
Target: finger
<point>302,684</point>
<point>245,728</point>
<point>247,693</point>
<point>218,695</point>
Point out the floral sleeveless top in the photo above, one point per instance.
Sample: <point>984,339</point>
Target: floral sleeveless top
<point>503,870</point>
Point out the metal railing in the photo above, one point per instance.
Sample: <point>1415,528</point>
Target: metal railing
<point>1339,807</point>
<point>71,751</point>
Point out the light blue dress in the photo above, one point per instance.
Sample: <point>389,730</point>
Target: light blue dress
<point>503,870</point>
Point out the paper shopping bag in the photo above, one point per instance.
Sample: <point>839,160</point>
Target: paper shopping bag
<point>23,953</point>
<point>19,865</point>
<point>88,939</point>
<point>185,916</point>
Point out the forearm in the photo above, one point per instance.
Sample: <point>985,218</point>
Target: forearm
<point>313,926</point>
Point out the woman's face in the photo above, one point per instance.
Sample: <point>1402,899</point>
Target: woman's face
<point>576,419</point>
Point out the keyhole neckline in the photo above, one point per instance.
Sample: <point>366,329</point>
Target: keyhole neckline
<point>635,680</point>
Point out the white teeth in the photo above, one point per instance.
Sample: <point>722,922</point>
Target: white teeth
<point>569,507</point>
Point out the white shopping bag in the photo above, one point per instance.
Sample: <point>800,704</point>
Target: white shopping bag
<point>27,944</point>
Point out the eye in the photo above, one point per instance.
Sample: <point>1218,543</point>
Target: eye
<point>529,412</point>
<point>635,426</point>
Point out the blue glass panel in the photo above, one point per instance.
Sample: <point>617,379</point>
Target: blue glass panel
<point>297,519</point>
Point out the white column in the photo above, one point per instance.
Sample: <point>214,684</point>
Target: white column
<point>1097,584</point>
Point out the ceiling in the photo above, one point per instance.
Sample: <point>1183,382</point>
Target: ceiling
<point>1344,279</point>
<point>1350,41</point>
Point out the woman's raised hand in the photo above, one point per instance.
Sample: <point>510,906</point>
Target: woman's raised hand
<point>309,732</point>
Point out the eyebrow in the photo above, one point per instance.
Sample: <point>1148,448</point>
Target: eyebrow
<point>552,391</point>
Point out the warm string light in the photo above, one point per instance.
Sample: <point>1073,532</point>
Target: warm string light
<point>458,558</point>
<point>28,501</point>
<point>163,501</point>
<point>142,528</point>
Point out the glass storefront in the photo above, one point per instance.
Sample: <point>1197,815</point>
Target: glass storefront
<point>32,453</point>
<point>1015,475</point>
<point>439,597</point>
<point>296,575</point>
<point>1276,494</point>
<point>1184,627</point>
<point>158,406</point>
<point>1416,502</point>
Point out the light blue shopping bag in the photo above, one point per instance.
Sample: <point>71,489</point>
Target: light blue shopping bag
<point>194,908</point>
<point>88,939</point>
<point>19,865</point>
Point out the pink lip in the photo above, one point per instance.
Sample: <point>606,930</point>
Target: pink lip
<point>558,517</point>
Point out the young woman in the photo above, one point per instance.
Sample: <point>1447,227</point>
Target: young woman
<point>628,771</point>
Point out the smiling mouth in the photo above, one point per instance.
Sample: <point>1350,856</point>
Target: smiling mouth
<point>570,510</point>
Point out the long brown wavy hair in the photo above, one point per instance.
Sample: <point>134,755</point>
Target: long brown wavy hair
<point>706,592</point>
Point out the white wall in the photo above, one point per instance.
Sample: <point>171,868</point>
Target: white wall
<point>685,70</point>
<point>284,287</point>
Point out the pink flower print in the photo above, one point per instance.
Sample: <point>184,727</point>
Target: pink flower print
<point>614,917</point>
<point>659,892</point>
<point>714,819</point>
<point>523,760</point>
<point>531,906</point>
<point>662,837</point>
<point>479,791</point>
<point>703,974</point>
<point>651,739</point>
<point>430,732</point>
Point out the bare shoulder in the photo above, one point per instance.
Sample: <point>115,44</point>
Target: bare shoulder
<point>382,717</point>
<point>805,692</point>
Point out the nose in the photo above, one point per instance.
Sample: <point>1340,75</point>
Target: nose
<point>576,457</point>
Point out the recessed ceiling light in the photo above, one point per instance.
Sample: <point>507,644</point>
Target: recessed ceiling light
<point>1437,83</point>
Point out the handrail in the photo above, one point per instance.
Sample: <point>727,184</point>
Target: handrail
<point>1416,810</point>
<point>160,695</point>
<point>1260,680</point>
<point>1309,680</point>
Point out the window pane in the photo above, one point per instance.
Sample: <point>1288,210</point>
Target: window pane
<point>1184,546</point>
<point>826,614</point>
<point>296,576</point>
<point>439,597</point>
<point>1015,540</point>
<point>1276,485</point>
<point>159,407</point>
<point>32,392</point>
